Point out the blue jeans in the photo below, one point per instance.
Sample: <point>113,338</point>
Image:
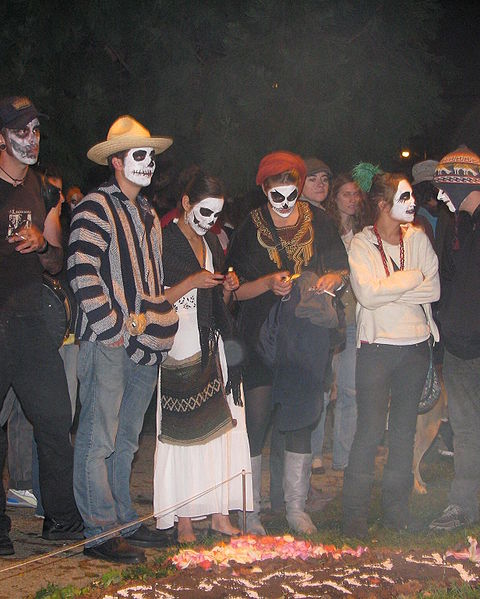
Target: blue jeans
<point>462,382</point>
<point>318,433</point>
<point>69,355</point>
<point>114,395</point>
<point>345,421</point>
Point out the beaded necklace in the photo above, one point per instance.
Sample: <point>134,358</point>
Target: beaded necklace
<point>382,251</point>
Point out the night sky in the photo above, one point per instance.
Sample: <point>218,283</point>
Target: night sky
<point>231,81</point>
<point>458,42</point>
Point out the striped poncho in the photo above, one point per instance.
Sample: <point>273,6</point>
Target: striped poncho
<point>115,269</point>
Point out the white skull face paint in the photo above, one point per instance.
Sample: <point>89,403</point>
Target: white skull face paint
<point>204,215</point>
<point>139,166</point>
<point>443,197</point>
<point>24,144</point>
<point>282,199</point>
<point>403,208</point>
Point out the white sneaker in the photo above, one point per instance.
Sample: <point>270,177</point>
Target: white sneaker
<point>446,453</point>
<point>21,498</point>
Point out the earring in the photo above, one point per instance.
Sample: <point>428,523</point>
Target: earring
<point>185,220</point>
<point>3,147</point>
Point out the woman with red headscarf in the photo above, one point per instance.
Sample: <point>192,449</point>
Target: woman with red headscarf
<point>277,240</point>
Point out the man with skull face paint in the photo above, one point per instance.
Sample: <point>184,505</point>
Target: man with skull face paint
<point>30,361</point>
<point>309,240</point>
<point>457,177</point>
<point>125,327</point>
<point>394,275</point>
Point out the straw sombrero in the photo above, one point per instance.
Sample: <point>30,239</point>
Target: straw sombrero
<point>126,133</point>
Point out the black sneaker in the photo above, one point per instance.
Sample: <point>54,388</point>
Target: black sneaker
<point>62,531</point>
<point>452,517</point>
<point>144,537</point>
<point>116,550</point>
<point>6,545</point>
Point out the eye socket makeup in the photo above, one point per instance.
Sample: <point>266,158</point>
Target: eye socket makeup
<point>204,215</point>
<point>282,199</point>
<point>139,165</point>
<point>403,208</point>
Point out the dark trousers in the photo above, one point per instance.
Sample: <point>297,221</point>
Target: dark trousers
<point>462,381</point>
<point>386,376</point>
<point>4,519</point>
<point>31,364</point>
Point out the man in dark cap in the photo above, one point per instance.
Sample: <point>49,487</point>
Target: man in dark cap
<point>29,361</point>
<point>315,192</point>
<point>457,177</point>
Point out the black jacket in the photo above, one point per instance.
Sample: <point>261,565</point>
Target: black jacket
<point>459,311</point>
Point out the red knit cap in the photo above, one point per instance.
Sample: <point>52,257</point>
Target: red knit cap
<point>281,162</point>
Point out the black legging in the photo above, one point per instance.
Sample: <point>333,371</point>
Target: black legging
<point>258,409</point>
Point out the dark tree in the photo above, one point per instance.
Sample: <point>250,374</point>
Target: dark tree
<point>347,80</point>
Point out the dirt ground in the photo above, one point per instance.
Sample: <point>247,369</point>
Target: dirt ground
<point>18,581</point>
<point>374,574</point>
<point>71,567</point>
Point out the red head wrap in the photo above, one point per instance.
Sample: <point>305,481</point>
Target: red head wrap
<point>280,162</point>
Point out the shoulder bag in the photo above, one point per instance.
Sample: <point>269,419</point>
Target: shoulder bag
<point>268,335</point>
<point>432,388</point>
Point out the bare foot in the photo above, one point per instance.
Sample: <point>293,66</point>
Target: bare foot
<point>222,524</point>
<point>185,531</point>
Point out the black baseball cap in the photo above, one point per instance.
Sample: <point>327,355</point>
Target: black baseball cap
<point>16,112</point>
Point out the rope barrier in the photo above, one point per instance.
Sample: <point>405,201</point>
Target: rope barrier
<point>118,529</point>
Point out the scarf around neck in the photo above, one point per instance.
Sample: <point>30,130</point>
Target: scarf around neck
<point>213,316</point>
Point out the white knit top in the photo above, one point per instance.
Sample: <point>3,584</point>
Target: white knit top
<point>394,310</point>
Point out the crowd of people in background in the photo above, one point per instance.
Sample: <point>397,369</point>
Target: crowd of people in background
<point>352,277</point>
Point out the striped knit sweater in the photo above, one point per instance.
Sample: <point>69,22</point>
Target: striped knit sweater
<point>115,269</point>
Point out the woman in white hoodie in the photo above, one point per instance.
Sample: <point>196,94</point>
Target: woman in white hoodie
<point>394,275</point>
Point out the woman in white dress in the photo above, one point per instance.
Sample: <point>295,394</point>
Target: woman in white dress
<point>202,445</point>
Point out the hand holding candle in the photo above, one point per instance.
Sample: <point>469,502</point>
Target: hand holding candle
<point>231,282</point>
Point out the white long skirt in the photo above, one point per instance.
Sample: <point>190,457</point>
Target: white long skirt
<point>197,480</point>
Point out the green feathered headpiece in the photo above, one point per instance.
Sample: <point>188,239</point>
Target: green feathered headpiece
<point>363,174</point>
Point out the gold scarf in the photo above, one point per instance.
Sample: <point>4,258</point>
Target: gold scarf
<point>297,239</point>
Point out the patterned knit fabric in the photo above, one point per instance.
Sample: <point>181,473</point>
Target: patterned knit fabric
<point>115,269</point>
<point>459,167</point>
<point>458,174</point>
